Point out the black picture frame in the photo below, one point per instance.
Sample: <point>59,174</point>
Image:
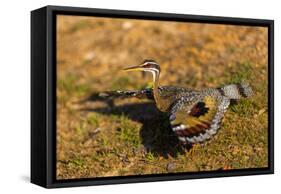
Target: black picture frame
<point>43,95</point>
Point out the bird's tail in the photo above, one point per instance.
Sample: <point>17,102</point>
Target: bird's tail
<point>236,91</point>
<point>142,94</point>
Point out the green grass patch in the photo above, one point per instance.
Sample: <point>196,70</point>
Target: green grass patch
<point>77,162</point>
<point>121,82</point>
<point>240,72</point>
<point>80,128</point>
<point>93,120</point>
<point>70,84</point>
<point>126,82</point>
<point>128,132</point>
<point>149,157</point>
<point>244,107</point>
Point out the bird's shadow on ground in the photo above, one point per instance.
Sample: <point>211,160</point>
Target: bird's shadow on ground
<point>155,134</point>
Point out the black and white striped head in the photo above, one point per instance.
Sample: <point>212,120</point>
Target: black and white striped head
<point>146,65</point>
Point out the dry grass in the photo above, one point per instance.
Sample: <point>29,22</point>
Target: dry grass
<point>97,139</point>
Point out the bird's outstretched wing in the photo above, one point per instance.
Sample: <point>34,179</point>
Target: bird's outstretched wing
<point>147,93</point>
<point>141,94</point>
<point>197,121</point>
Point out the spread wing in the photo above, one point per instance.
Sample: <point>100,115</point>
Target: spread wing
<point>141,94</point>
<point>195,122</point>
<point>147,93</point>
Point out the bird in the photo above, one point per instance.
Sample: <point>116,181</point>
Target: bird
<point>194,115</point>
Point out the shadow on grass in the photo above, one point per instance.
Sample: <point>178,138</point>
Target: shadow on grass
<point>156,134</point>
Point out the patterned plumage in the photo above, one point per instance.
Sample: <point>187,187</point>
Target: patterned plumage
<point>194,116</point>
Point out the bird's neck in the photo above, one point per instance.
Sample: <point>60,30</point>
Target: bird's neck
<point>157,97</point>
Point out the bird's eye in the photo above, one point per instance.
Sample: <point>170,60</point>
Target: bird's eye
<point>146,65</point>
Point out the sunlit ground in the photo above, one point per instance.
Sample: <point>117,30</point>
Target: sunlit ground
<point>129,136</point>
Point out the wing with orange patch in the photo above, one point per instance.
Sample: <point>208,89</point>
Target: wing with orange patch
<point>199,121</point>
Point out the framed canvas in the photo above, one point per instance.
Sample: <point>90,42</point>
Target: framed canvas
<point>126,96</point>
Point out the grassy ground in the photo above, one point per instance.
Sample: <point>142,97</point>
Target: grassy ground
<point>128,137</point>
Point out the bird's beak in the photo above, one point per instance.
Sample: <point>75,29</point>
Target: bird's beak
<point>134,68</point>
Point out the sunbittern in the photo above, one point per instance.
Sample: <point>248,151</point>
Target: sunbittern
<point>194,116</point>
